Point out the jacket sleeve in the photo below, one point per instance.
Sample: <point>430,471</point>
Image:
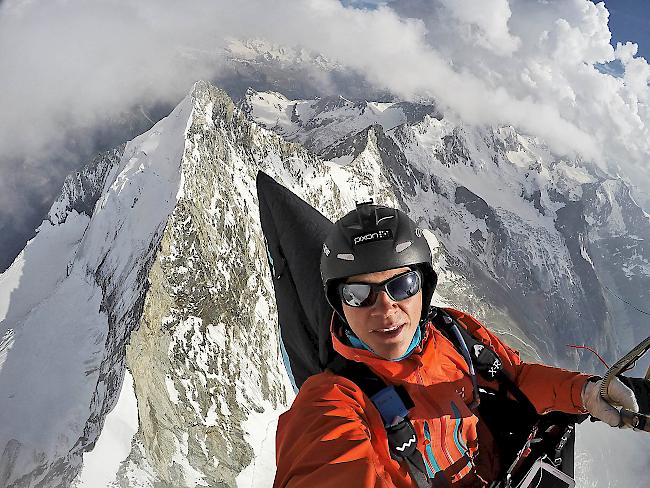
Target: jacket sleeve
<point>324,440</point>
<point>547,387</point>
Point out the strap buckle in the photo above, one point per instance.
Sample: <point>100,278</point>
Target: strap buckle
<point>393,403</point>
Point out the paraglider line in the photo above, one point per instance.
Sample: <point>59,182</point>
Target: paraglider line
<point>624,301</point>
<point>590,349</point>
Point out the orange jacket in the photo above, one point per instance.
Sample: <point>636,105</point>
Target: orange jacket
<point>333,436</point>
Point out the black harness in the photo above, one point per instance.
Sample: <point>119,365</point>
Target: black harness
<point>513,422</point>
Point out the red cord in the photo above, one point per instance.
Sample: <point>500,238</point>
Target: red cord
<point>590,349</point>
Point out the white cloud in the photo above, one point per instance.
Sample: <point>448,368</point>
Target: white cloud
<point>70,64</point>
<point>484,23</point>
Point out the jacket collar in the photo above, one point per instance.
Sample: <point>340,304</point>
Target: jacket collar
<point>396,370</point>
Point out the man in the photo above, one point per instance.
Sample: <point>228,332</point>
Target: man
<point>378,278</point>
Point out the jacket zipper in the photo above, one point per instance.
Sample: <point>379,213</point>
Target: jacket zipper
<point>429,447</point>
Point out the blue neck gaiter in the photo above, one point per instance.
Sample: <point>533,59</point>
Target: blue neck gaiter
<point>359,344</point>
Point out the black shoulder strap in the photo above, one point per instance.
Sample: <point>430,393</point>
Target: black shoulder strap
<point>393,403</point>
<point>486,362</point>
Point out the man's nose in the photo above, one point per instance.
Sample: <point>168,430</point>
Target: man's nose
<point>383,302</point>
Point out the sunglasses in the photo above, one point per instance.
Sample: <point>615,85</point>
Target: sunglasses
<point>398,288</point>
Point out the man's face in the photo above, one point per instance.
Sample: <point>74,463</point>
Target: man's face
<point>375,324</point>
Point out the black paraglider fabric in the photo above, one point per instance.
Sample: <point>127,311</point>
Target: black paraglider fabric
<point>295,232</point>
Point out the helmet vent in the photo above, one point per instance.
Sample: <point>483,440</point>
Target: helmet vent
<point>346,257</point>
<point>403,245</point>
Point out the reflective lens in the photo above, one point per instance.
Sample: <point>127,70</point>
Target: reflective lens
<point>398,288</point>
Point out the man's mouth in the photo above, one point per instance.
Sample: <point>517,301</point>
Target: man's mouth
<point>392,330</point>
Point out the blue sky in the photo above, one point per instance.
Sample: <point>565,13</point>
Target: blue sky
<point>629,20</point>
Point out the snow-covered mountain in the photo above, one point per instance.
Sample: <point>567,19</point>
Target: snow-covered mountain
<point>295,71</point>
<point>152,267</point>
<point>319,123</point>
<point>546,239</point>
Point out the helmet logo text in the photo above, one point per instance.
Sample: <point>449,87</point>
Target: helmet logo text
<point>378,235</point>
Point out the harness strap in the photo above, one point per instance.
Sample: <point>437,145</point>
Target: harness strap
<point>393,403</point>
<point>486,362</point>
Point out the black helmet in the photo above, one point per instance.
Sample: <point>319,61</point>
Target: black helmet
<point>374,238</point>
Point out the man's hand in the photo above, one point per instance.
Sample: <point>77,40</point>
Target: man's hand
<point>599,408</point>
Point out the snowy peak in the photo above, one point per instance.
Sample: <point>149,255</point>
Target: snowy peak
<point>347,149</point>
<point>262,51</point>
<point>72,299</point>
<point>82,189</point>
<point>322,122</point>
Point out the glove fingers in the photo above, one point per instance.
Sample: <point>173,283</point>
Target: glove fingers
<point>608,414</point>
<point>622,395</point>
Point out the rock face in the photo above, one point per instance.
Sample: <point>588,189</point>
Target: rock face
<point>153,260</point>
<point>205,355</point>
<point>82,189</point>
